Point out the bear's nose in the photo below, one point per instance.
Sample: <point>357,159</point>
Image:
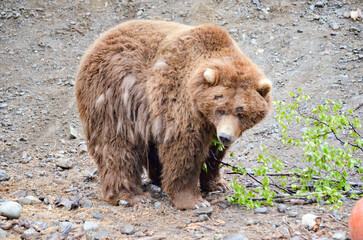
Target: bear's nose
<point>224,138</point>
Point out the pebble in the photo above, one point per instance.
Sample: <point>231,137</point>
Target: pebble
<point>334,26</point>
<point>204,210</point>
<point>4,105</point>
<point>339,236</point>
<point>100,235</point>
<point>203,218</point>
<point>30,234</point>
<point>64,225</point>
<point>10,209</point>
<point>261,210</point>
<point>72,134</point>
<point>4,176</point>
<point>281,208</point>
<point>87,203</point>
<point>90,226</point>
<point>42,225</point>
<point>295,238</point>
<point>293,214</point>
<point>336,215</point>
<point>123,203</point>
<point>128,229</point>
<point>231,31</point>
<point>28,200</point>
<point>237,236</point>
<point>64,163</point>
<point>319,4</point>
<point>82,149</point>
<point>157,204</point>
<point>3,234</point>
<point>98,216</point>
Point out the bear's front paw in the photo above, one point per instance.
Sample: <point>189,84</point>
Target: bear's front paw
<point>189,203</point>
<point>213,186</point>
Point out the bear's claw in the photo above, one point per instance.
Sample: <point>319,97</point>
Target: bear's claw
<point>202,204</point>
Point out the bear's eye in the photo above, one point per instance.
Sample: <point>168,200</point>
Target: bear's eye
<point>239,110</point>
<point>221,112</point>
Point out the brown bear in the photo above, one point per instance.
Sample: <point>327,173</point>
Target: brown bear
<point>152,94</point>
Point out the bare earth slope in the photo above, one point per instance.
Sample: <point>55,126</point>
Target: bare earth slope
<point>312,45</point>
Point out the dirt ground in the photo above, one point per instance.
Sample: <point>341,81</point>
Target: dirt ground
<point>314,45</point>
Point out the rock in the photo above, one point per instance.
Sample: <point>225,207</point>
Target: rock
<point>157,204</point>
<point>123,203</point>
<point>237,236</point>
<point>4,105</point>
<point>90,226</point>
<point>319,4</point>
<point>82,149</point>
<point>203,217</point>
<point>127,229</point>
<point>42,225</point>
<point>28,200</point>
<point>293,214</point>
<point>334,26</point>
<point>204,210</point>
<point>231,31</point>
<point>3,234</point>
<point>261,210</point>
<point>30,233</point>
<point>154,190</point>
<point>64,163</point>
<point>64,225</point>
<point>281,208</point>
<point>338,236</point>
<point>87,203</point>
<point>97,216</point>
<point>4,176</point>
<point>100,235</point>
<point>72,133</point>
<point>10,209</point>
<point>295,238</point>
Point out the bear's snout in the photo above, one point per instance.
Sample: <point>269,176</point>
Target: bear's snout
<point>225,139</point>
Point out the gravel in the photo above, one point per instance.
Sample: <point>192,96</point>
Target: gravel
<point>4,176</point>
<point>90,226</point>
<point>127,229</point>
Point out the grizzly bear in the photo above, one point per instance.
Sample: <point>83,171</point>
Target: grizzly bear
<point>152,94</point>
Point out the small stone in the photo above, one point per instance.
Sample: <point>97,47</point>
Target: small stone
<point>300,31</point>
<point>87,203</point>
<point>204,210</point>
<point>98,216</point>
<point>46,201</point>
<point>82,149</point>
<point>123,203</point>
<point>42,225</point>
<point>64,225</point>
<point>4,105</point>
<point>157,204</point>
<point>72,133</point>
<point>101,235</point>
<point>334,26</point>
<point>339,236</point>
<point>237,236</point>
<point>203,218</point>
<point>90,226</point>
<point>295,238</point>
<point>281,208</point>
<point>29,175</point>
<point>28,200</point>
<point>4,176</point>
<point>64,163</point>
<point>3,234</point>
<point>128,229</point>
<point>319,4</point>
<point>261,210</point>
<point>336,215</point>
<point>231,31</point>
<point>41,173</point>
<point>10,209</point>
<point>30,233</point>
<point>285,231</point>
<point>293,214</point>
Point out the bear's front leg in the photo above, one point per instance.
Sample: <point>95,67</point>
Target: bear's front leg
<point>182,161</point>
<point>211,180</point>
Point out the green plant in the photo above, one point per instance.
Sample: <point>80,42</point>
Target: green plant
<point>328,142</point>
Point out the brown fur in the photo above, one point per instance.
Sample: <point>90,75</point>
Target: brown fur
<point>144,102</point>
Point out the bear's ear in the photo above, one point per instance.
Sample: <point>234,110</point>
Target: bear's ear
<point>264,86</point>
<point>210,75</point>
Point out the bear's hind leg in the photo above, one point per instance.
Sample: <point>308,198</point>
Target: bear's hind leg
<point>211,180</point>
<point>120,168</point>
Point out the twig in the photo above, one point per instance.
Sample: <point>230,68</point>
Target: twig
<point>342,223</point>
<point>360,105</point>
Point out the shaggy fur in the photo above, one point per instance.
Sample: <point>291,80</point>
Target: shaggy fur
<point>146,100</point>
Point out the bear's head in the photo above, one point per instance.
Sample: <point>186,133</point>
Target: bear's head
<point>232,95</point>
